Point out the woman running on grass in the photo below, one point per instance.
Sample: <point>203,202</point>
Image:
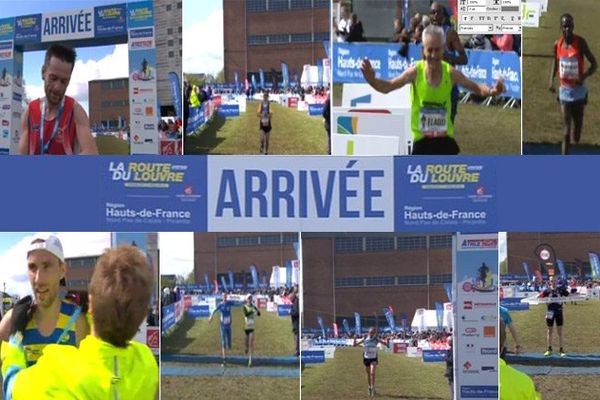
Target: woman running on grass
<point>370,356</point>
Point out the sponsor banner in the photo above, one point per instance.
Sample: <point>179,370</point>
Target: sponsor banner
<point>199,311</point>
<point>475,270</point>
<point>28,29</point>
<point>514,304</point>
<point>292,102</point>
<point>7,28</point>
<point>68,25</point>
<point>259,194</point>
<point>110,20</point>
<point>150,193</point>
<point>313,356</point>
<point>459,195</point>
<point>530,14</point>
<point>400,347</point>
<point>284,310</point>
<point>140,14</point>
<point>478,391</point>
<point>6,53</point>
<point>414,352</point>
<point>315,110</point>
<point>434,355</point>
<point>153,339</point>
<point>482,67</point>
<point>141,38</point>
<point>168,318</point>
<point>171,147</point>
<point>366,145</point>
<point>364,96</point>
<point>229,110</point>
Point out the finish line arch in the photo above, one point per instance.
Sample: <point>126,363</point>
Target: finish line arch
<point>131,23</point>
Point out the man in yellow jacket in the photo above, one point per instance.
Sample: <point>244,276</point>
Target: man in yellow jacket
<point>107,364</point>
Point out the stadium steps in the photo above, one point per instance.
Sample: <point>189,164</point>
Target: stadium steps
<point>237,360</point>
<point>538,359</point>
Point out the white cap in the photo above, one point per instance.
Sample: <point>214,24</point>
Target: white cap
<point>49,243</point>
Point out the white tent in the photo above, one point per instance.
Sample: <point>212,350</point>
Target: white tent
<point>427,319</point>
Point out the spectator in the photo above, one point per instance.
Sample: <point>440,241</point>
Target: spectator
<point>343,27</point>
<point>356,31</point>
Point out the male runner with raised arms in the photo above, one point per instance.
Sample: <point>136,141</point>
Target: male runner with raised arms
<point>225,309</point>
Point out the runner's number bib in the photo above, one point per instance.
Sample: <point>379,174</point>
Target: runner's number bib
<point>549,314</point>
<point>568,68</point>
<point>226,320</point>
<point>250,323</point>
<point>433,122</point>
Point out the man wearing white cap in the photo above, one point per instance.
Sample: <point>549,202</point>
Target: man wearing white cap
<point>49,319</point>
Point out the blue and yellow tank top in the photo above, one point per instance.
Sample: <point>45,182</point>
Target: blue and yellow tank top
<point>34,342</point>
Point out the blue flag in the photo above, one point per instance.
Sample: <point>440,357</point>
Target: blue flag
<point>236,77</point>
<point>327,47</point>
<point>207,282</point>
<point>595,264</point>
<point>439,314</point>
<point>223,284</point>
<point>526,268</point>
<point>176,92</point>
<point>286,75</point>
<point>346,327</point>
<point>390,318</point>
<point>231,282</point>
<point>254,276</point>
<point>261,77</point>
<point>320,72</point>
<point>404,319</point>
<point>253,80</point>
<point>448,287</point>
<point>357,327</point>
<point>322,325</point>
<point>288,274</point>
<point>561,268</point>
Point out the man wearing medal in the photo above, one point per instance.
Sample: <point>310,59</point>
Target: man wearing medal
<point>431,82</point>
<point>56,124</point>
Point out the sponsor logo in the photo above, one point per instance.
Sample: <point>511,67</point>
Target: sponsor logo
<point>469,348</point>
<point>468,305</point>
<point>470,332</point>
<point>485,351</point>
<point>488,368</point>
<point>489,317</point>
<point>149,111</point>
<point>149,127</point>
<point>545,255</point>
<point>6,106</point>
<point>467,319</point>
<point>468,368</point>
<point>5,122</point>
<point>485,305</point>
<point>489,331</point>
<point>188,190</point>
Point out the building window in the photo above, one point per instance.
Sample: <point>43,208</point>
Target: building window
<point>169,31</point>
<point>270,240</point>
<point>275,39</point>
<point>277,5</point>
<point>179,29</point>
<point>380,243</point>
<point>381,281</point>
<point>411,242</point>
<point>440,241</point>
<point>321,36</point>
<point>171,54</point>
<point>169,7</point>
<point>248,241</point>
<point>439,279</point>
<point>321,4</point>
<point>298,4</point>
<point>290,238</point>
<point>180,41</point>
<point>349,282</point>
<point>412,280</point>
<point>349,245</point>
<point>256,5</point>
<point>170,43</point>
<point>300,37</point>
<point>179,5</point>
<point>257,40</point>
<point>226,242</point>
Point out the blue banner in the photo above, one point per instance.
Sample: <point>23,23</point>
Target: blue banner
<point>7,29</point>
<point>319,72</point>
<point>284,310</point>
<point>286,75</point>
<point>357,327</point>
<point>346,326</point>
<point>322,325</point>
<point>526,268</point>
<point>404,321</point>
<point>434,355</point>
<point>514,304</point>
<point>254,276</point>
<point>288,274</point>
<point>207,282</point>
<point>431,194</point>
<point>229,110</point>
<point>236,78</point>
<point>594,264</point>
<point>231,280</point>
<point>448,288</point>
<point>199,312</point>
<point>28,29</point>
<point>253,81</point>
<point>261,77</point>
<point>561,268</point>
<point>439,315</point>
<point>110,20</point>
<point>224,284</point>
<point>313,356</point>
<point>176,93</point>
<point>478,391</point>
<point>315,110</point>
<point>168,317</point>
<point>482,67</point>
<point>196,118</point>
<point>390,318</point>
<point>140,14</point>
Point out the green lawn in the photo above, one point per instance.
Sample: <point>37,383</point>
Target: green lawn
<point>252,387</point>
<point>112,145</point>
<point>541,112</point>
<point>294,132</point>
<point>398,377</point>
<point>274,336</point>
<point>580,335</point>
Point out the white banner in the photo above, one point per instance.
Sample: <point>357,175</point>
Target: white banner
<point>68,25</point>
<point>530,14</point>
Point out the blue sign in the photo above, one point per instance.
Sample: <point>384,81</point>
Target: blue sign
<point>229,110</point>
<point>196,118</point>
<point>284,310</point>
<point>7,28</point>
<point>434,355</point>
<point>478,391</point>
<point>482,67</point>
<point>152,193</point>
<point>110,20</point>
<point>435,194</point>
<point>313,356</point>
<point>140,14</point>
<point>315,110</point>
<point>199,312</point>
<point>514,304</point>
<point>168,317</point>
<point>28,29</point>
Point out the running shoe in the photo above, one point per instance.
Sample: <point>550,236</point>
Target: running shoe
<point>370,392</point>
<point>548,353</point>
<point>562,353</point>
<point>250,361</point>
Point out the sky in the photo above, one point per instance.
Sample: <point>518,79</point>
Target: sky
<point>103,62</point>
<point>176,254</point>
<point>202,36</point>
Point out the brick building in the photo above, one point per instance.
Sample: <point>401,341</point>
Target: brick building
<point>263,33</point>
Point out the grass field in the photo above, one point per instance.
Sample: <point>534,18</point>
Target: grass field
<point>196,336</point>
<point>479,129</point>
<point>112,145</point>
<point>541,112</point>
<point>274,336</point>
<point>580,335</point>
<point>398,377</point>
<point>294,132</point>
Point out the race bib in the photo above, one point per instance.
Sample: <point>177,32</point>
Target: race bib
<point>549,314</point>
<point>370,354</point>
<point>250,323</point>
<point>568,68</point>
<point>264,121</point>
<point>433,122</point>
<point>226,320</point>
